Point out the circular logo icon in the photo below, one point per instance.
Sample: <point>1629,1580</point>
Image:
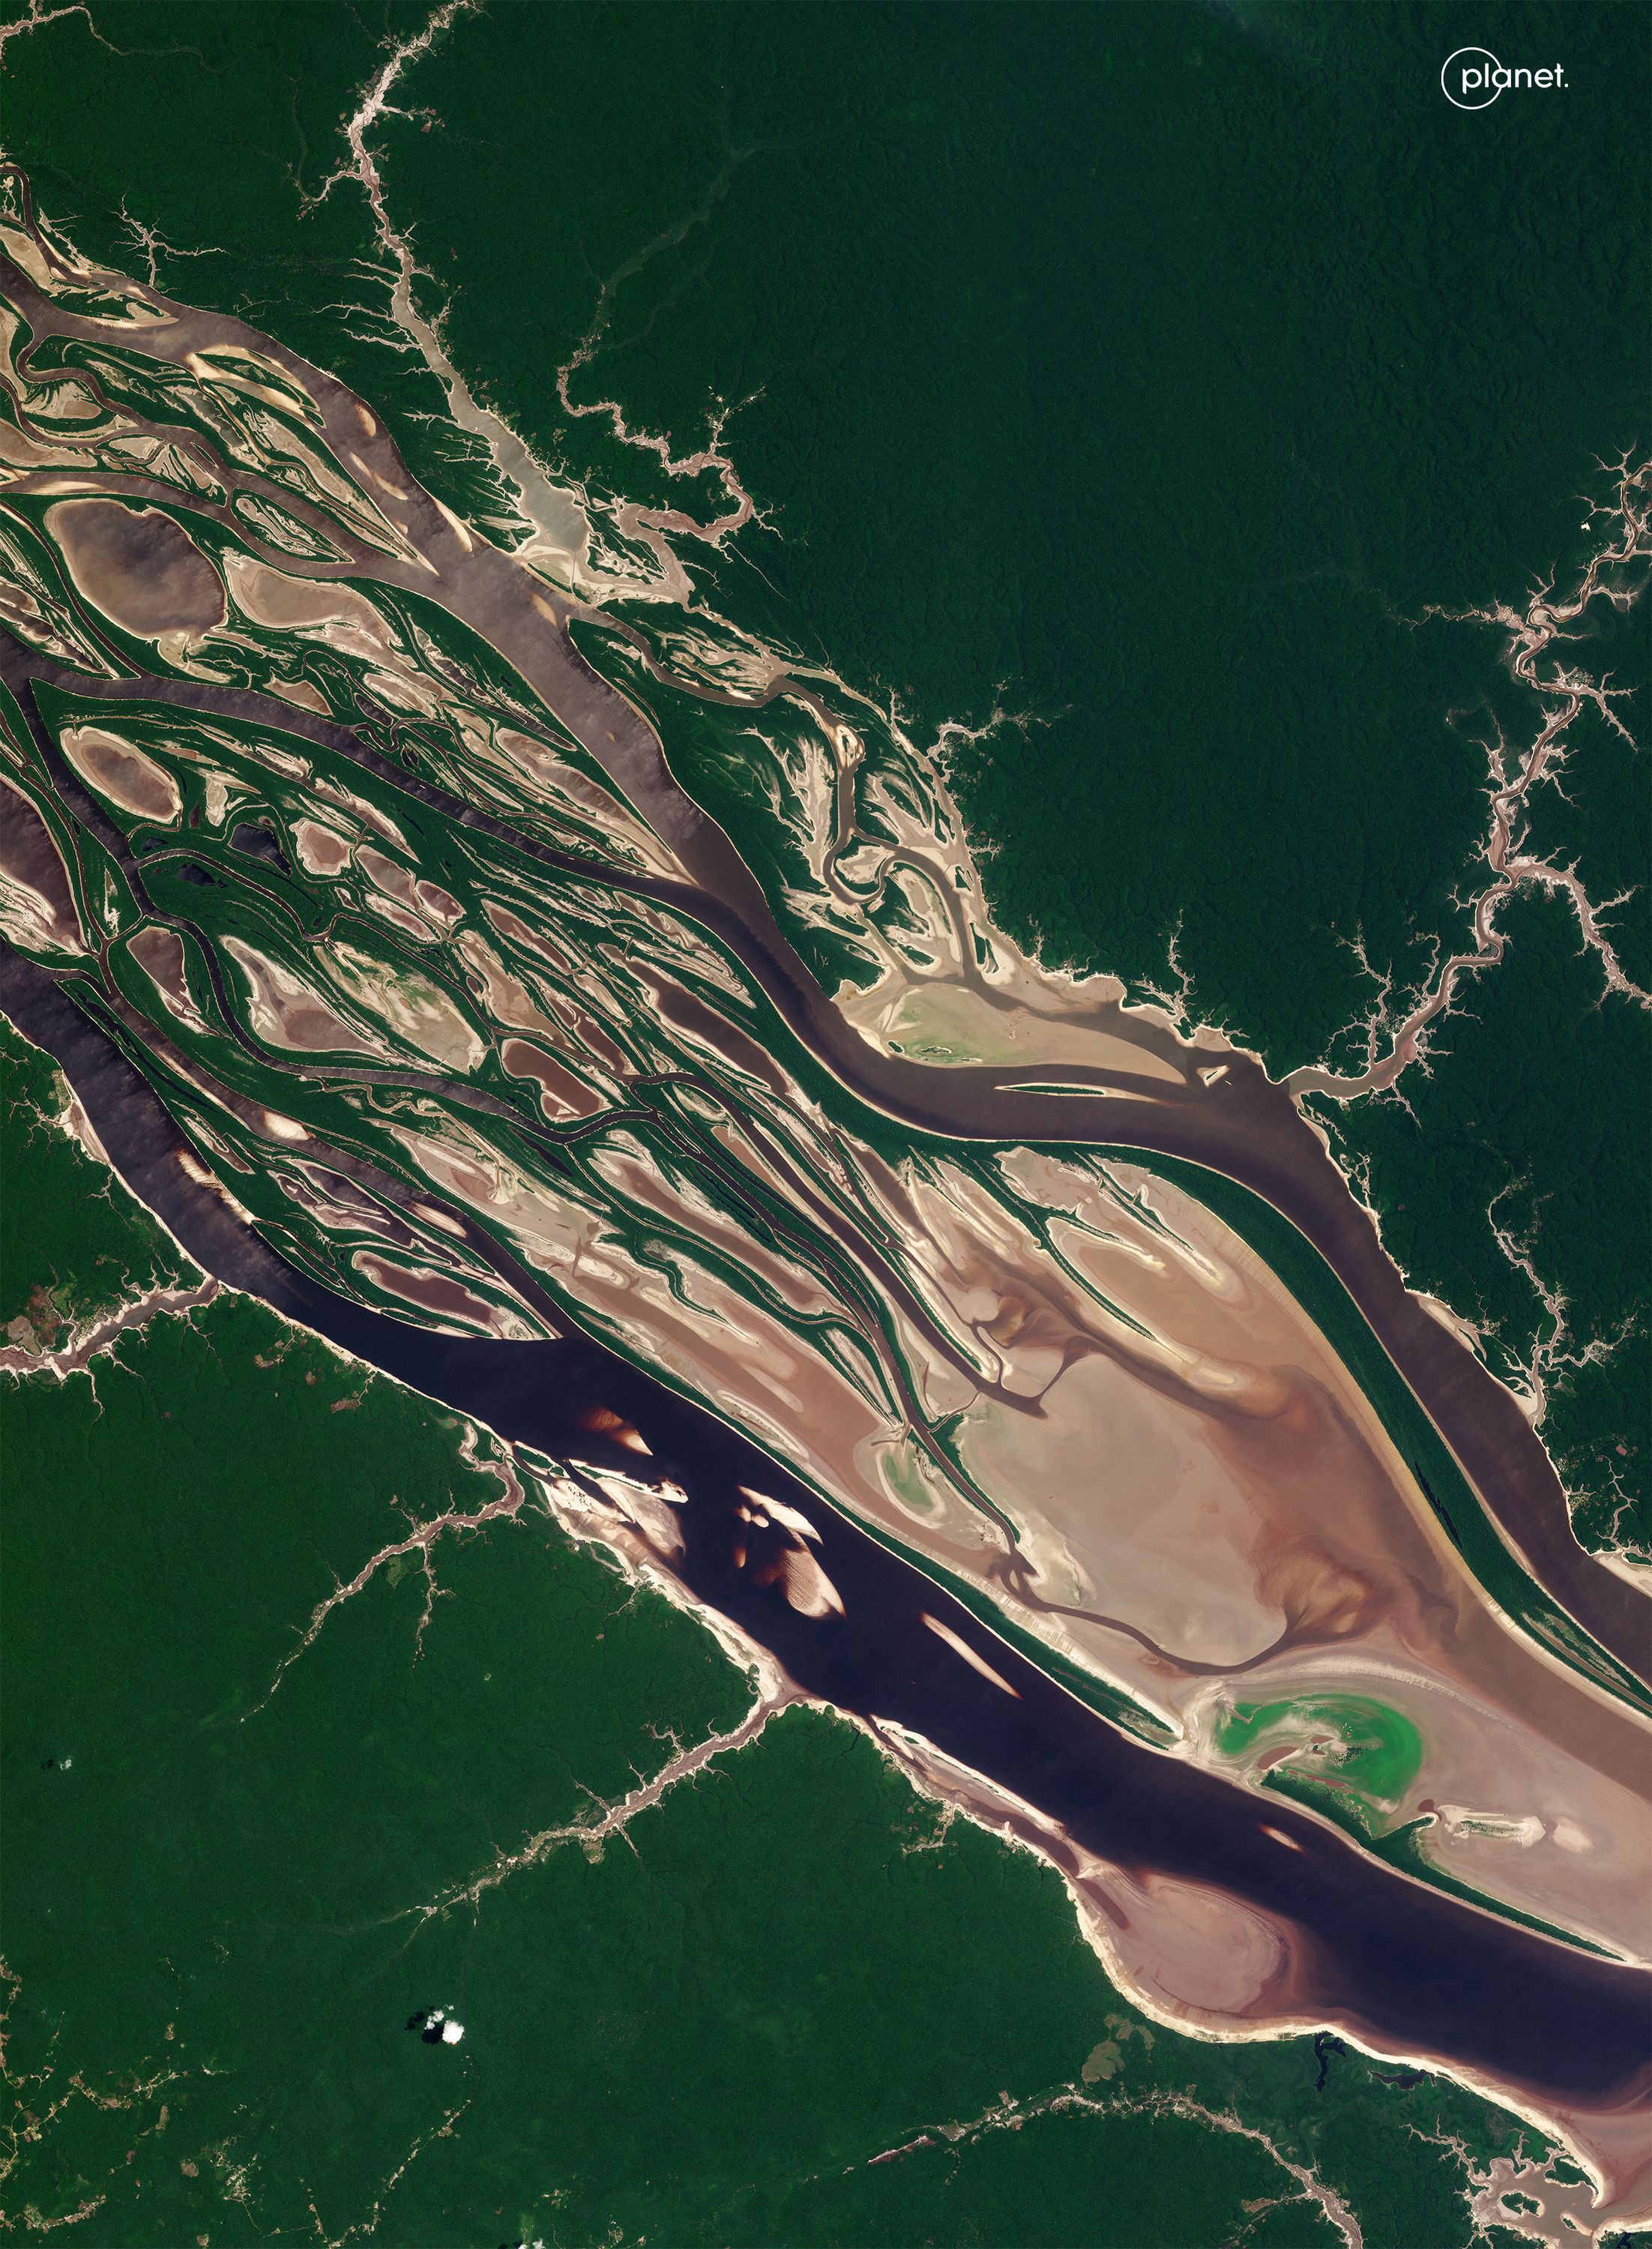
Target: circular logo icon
<point>1466,79</point>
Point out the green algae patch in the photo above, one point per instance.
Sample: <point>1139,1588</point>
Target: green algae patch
<point>1344,1741</point>
<point>710,2029</point>
<point>745,1957</point>
<point>239,1867</point>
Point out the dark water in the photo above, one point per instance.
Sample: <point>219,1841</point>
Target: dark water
<point>1403,1967</point>
<point>1147,366</point>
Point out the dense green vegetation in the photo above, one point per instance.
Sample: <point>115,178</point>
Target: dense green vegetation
<point>1146,371</point>
<point>65,1251</point>
<point>216,1924</point>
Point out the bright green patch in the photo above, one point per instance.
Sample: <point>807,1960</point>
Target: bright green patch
<point>1346,1741</point>
<point>218,1908</point>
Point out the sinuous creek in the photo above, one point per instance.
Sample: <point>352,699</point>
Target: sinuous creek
<point>1022,1376</point>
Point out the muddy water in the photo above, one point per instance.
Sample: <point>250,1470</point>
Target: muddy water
<point>1229,1911</point>
<point>1405,1971</point>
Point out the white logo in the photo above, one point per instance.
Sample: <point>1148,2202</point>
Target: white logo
<point>1473,77</point>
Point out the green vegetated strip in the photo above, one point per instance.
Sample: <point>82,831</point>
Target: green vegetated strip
<point>1402,1847</point>
<point>1283,1248</point>
<point>1355,1778</point>
<point>1307,513</point>
<point>1478,1541</point>
<point>1287,1252</point>
<point>1097,1693</point>
<point>1193,556</point>
<point>100,118</point>
<point>1297,1264</point>
<point>217,1913</point>
<point>729,781</point>
<point>1302,1271</point>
